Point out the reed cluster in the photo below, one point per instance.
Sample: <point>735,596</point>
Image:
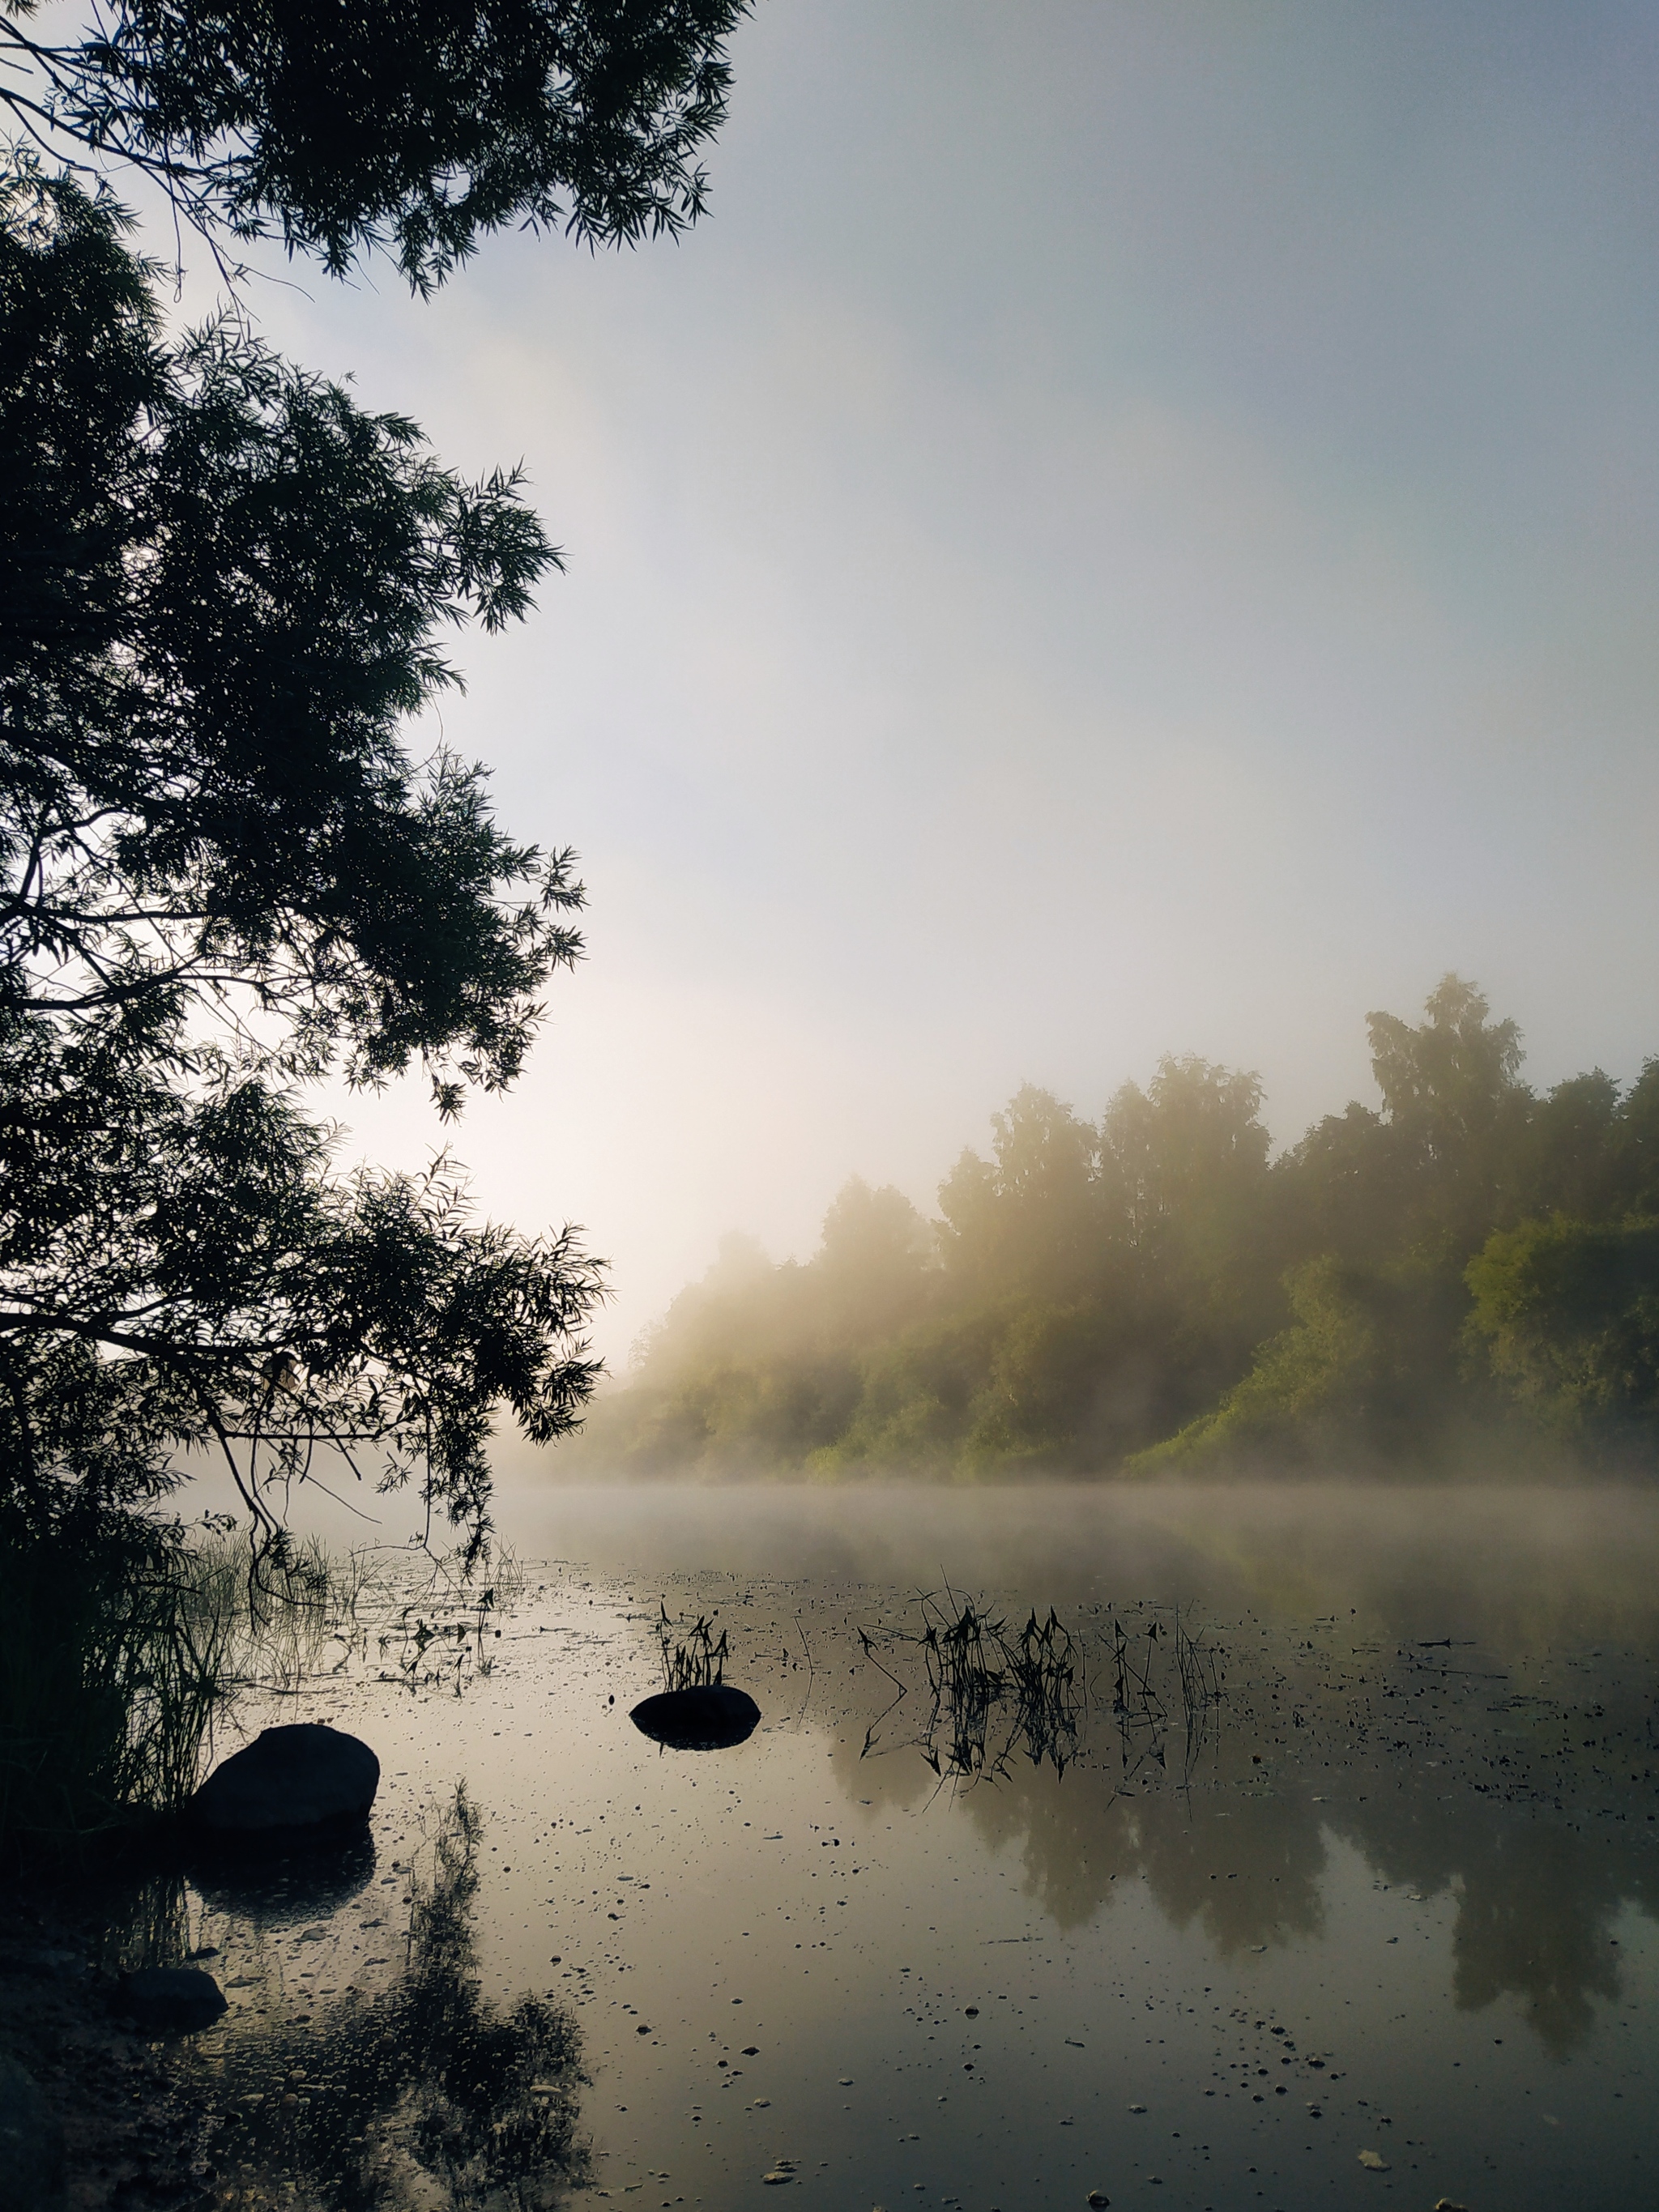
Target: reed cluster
<point>124,1639</point>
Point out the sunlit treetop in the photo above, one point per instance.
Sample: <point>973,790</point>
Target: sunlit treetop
<point>407,126</point>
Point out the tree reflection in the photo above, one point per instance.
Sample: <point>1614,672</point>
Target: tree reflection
<point>1536,1903</point>
<point>1249,1876</point>
<point>425,2095</point>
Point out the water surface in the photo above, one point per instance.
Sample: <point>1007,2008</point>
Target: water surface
<point>1374,1919</point>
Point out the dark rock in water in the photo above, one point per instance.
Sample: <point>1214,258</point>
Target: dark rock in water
<point>31,2144</point>
<point>172,1999</point>
<point>711,1719</point>
<point>305,1777</point>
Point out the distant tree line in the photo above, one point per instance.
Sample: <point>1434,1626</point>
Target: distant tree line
<point>1468,1274</point>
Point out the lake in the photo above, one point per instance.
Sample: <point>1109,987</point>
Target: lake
<point>1306,1856</point>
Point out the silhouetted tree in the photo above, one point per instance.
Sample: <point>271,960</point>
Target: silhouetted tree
<point>409,125</point>
<point>220,872</point>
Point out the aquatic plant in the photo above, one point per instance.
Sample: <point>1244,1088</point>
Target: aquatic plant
<point>698,1663</point>
<point>126,1639</point>
<point>995,1693</point>
<point>992,1693</point>
<point>438,1631</point>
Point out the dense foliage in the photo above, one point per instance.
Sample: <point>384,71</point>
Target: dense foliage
<point>221,874</point>
<point>410,126</point>
<point>1440,1282</point>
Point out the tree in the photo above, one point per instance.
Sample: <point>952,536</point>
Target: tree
<point>1030,1213</point>
<point>408,126</point>
<point>873,1264</point>
<point>1569,1314</point>
<point>221,874</point>
<point>1448,1080</point>
<point>1451,1091</point>
<point>1189,1145</point>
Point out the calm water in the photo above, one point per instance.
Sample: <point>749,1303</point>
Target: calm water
<point>1369,1916</point>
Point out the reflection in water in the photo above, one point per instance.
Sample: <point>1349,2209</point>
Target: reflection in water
<point>1309,1747</point>
<point>1536,1904</point>
<point>1405,1825</point>
<point>273,1896</point>
<point>422,2095</point>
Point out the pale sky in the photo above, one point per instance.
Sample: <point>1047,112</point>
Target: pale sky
<point>1133,526</point>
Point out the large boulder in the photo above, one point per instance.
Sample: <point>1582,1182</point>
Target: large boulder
<point>301,1780</point>
<point>31,2145</point>
<point>172,1999</point>
<point>712,1718</point>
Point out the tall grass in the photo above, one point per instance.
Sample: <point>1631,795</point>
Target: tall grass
<point>995,1692</point>
<point>121,1641</point>
<point>699,1663</point>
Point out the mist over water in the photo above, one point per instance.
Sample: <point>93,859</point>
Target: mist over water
<point>1373,1908</point>
<point>1525,1569</point>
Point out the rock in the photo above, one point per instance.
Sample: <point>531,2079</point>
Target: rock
<point>1098,2198</point>
<point>300,1779</point>
<point>1445,2204</point>
<point>1373,2161</point>
<point>172,1999</point>
<point>710,1719</point>
<point>31,2144</point>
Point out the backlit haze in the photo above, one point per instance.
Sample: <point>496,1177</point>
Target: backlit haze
<point>1129,528</point>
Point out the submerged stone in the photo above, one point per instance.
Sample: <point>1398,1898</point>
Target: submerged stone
<point>172,1999</point>
<point>711,1718</point>
<point>304,1778</point>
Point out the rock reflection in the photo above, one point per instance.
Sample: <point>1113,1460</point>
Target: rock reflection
<point>271,1895</point>
<point>425,2094</point>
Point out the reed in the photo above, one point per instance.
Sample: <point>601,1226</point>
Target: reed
<point>125,1640</point>
<point>996,1692</point>
<point>699,1662</point>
